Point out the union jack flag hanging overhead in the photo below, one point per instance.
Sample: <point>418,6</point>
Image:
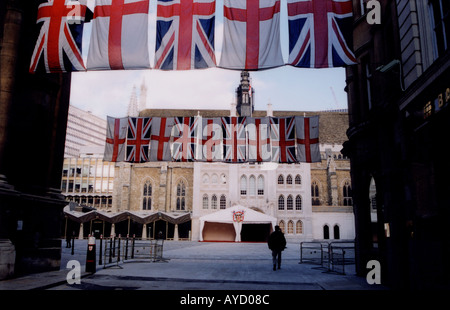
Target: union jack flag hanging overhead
<point>138,139</point>
<point>185,34</point>
<point>282,137</point>
<point>320,33</point>
<point>185,139</point>
<point>234,139</point>
<point>59,40</point>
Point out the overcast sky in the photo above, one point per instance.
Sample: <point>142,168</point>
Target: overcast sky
<point>286,88</point>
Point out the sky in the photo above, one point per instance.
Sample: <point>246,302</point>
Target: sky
<point>108,93</point>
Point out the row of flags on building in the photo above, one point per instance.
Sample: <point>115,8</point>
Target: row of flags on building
<point>319,35</point>
<point>222,139</point>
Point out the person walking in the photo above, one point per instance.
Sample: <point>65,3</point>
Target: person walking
<point>276,243</point>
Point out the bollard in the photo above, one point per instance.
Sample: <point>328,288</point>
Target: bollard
<point>126,247</point>
<point>132,248</point>
<point>90,256</point>
<point>73,245</point>
<point>100,251</point>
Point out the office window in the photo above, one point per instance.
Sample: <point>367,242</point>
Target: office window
<point>440,12</point>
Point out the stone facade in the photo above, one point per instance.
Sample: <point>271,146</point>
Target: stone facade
<point>279,190</point>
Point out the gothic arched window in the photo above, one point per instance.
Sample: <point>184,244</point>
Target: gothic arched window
<point>214,202</point>
<point>260,185</point>
<point>290,227</point>
<point>290,203</point>
<point>298,180</point>
<point>223,202</point>
<point>298,203</point>
<point>281,202</point>
<point>315,193</point>
<point>280,179</point>
<point>299,227</point>
<point>289,179</point>
<point>147,196</point>
<point>243,185</point>
<point>205,201</point>
<point>347,194</point>
<point>181,196</point>
<point>252,185</point>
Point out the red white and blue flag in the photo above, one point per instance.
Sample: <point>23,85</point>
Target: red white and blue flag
<point>185,34</point>
<point>116,134</point>
<point>161,138</point>
<point>184,132</point>
<point>60,37</point>
<point>320,33</point>
<point>258,132</point>
<point>251,35</point>
<point>138,139</point>
<point>234,139</point>
<point>282,138</point>
<point>211,140</point>
<point>307,139</point>
<point>119,37</point>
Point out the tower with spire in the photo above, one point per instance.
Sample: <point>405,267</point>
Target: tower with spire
<point>135,106</point>
<point>245,96</point>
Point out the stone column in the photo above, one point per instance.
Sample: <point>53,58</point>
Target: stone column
<point>8,58</point>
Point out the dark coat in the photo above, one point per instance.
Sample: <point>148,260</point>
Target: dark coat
<point>277,242</point>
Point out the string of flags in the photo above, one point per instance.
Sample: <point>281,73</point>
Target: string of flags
<point>320,35</point>
<point>222,139</point>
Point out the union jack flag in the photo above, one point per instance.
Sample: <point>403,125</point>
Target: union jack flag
<point>234,139</point>
<point>138,139</point>
<point>160,138</point>
<point>319,33</point>
<point>282,137</point>
<point>185,34</point>
<point>212,139</point>
<point>258,130</point>
<point>59,40</point>
<point>184,147</point>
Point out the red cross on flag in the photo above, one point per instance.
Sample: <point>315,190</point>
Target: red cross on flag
<point>116,134</point>
<point>307,139</point>
<point>119,37</point>
<point>251,35</point>
<point>258,131</point>
<point>184,147</point>
<point>56,44</point>
<point>160,139</point>
<point>212,140</point>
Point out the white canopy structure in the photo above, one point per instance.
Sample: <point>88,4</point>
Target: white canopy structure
<point>222,221</point>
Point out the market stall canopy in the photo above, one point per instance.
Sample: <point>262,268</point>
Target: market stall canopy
<point>141,217</point>
<point>236,215</point>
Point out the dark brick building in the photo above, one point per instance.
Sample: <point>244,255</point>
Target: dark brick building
<point>33,120</point>
<point>399,95</point>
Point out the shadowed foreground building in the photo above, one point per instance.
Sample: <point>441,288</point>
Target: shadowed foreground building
<point>33,117</point>
<point>399,95</point>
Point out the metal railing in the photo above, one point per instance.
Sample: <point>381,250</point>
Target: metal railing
<point>331,256</point>
<point>114,250</point>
